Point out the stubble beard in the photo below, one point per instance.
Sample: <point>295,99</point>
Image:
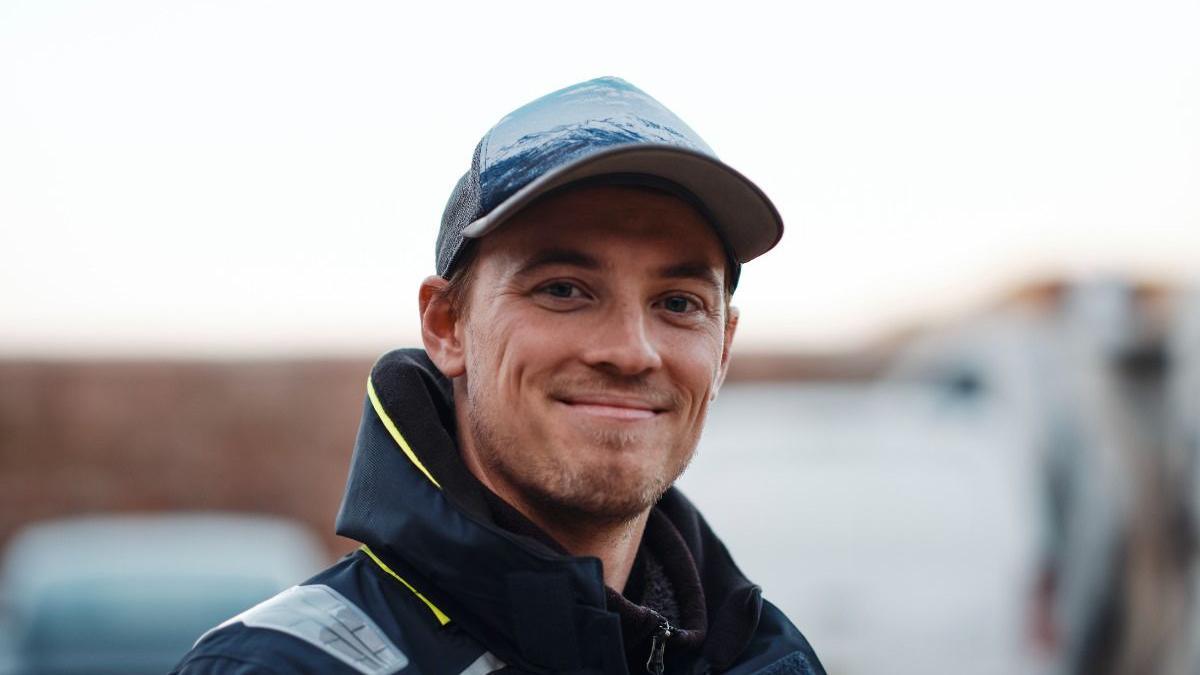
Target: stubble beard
<point>570,493</point>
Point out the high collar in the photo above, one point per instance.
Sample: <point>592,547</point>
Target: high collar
<point>412,500</point>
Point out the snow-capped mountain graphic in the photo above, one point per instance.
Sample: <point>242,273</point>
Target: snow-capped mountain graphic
<point>511,167</point>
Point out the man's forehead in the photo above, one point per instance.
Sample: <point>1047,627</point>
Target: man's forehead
<point>680,265</point>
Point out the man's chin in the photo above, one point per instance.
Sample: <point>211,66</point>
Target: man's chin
<point>606,441</point>
<point>609,494</point>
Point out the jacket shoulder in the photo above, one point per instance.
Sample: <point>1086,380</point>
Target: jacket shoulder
<point>778,648</point>
<point>305,628</point>
<point>355,617</point>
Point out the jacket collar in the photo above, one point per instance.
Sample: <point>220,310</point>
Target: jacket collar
<point>412,500</point>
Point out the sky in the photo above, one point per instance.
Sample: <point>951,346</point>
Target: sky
<point>267,178</point>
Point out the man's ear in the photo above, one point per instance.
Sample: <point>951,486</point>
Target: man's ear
<point>730,328</point>
<point>440,329</point>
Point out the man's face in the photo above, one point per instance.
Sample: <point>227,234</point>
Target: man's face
<point>594,336</point>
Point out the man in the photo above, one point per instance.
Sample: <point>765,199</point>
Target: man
<point>511,483</point>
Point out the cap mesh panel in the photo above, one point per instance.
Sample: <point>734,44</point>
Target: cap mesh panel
<point>462,209</point>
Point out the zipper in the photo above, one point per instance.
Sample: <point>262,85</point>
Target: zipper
<point>658,645</point>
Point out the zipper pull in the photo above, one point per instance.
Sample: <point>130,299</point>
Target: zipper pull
<point>658,645</point>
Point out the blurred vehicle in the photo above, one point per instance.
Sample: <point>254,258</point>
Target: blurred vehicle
<point>131,593</point>
<point>1093,378</point>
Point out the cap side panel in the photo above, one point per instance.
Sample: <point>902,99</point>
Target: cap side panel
<point>461,210</point>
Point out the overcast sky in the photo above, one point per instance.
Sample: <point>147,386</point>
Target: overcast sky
<point>208,178</point>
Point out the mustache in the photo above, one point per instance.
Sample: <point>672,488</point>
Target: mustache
<point>658,397</point>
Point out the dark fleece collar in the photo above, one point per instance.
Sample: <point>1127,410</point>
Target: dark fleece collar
<point>716,608</point>
<point>665,585</point>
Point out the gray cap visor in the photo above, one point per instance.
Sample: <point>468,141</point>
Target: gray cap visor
<point>744,218</point>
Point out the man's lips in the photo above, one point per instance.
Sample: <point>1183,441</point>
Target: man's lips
<point>615,407</point>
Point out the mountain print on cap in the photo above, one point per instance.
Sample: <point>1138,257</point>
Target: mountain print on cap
<point>531,140</point>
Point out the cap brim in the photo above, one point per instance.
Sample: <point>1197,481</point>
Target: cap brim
<point>744,217</point>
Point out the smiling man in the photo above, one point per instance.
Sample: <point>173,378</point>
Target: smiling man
<point>512,482</point>
<point>594,335</point>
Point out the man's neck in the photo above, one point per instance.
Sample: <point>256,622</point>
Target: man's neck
<point>615,544</point>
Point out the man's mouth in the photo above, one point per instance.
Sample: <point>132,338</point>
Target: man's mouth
<point>613,407</point>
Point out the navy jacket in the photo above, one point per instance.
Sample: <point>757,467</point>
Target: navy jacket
<point>439,587</point>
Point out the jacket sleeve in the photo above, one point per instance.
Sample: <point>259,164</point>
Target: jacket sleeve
<point>224,665</point>
<point>778,648</point>
<point>241,650</point>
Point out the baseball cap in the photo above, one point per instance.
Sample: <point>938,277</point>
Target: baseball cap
<point>603,129</point>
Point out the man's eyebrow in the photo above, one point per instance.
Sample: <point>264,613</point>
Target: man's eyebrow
<point>559,256</point>
<point>700,271</point>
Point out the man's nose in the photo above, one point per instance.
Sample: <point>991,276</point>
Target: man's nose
<point>622,343</point>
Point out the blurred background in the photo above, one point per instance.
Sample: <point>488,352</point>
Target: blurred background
<point>961,428</point>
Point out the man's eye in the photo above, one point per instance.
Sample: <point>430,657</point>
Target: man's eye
<point>678,304</point>
<point>560,289</point>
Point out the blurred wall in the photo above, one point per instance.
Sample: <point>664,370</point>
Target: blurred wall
<point>272,437</point>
